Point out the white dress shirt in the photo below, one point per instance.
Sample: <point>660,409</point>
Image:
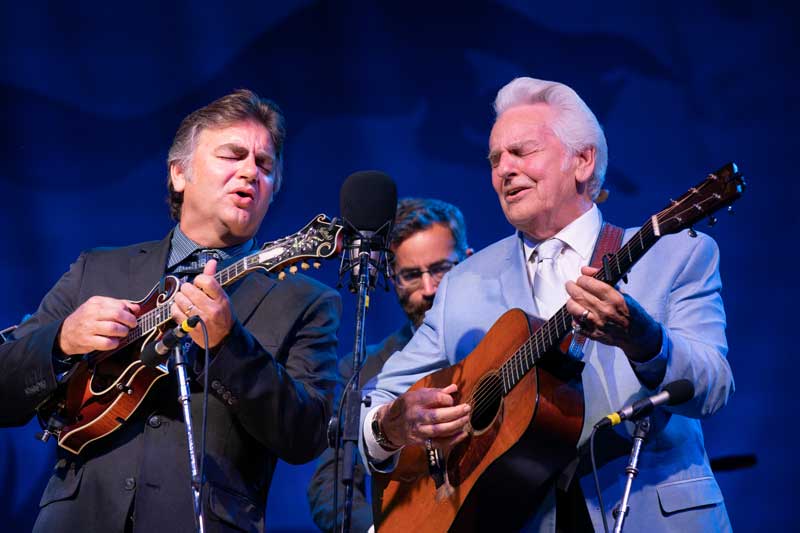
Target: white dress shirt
<point>579,238</point>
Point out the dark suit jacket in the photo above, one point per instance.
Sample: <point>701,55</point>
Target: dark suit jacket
<point>272,382</point>
<point>320,490</point>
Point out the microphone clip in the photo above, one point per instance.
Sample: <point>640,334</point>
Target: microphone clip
<point>373,245</point>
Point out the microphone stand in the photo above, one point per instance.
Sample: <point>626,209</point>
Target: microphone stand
<point>184,400</point>
<point>352,396</point>
<point>639,434</point>
<point>352,402</point>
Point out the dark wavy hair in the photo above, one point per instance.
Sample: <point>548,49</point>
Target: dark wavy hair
<point>417,214</point>
<point>239,106</point>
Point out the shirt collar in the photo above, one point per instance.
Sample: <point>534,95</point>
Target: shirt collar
<point>182,247</point>
<point>580,234</point>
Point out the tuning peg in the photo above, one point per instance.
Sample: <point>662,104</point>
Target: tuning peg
<point>282,275</point>
<point>692,232</point>
<point>317,264</point>
<point>293,269</point>
<point>304,265</point>
<point>712,220</point>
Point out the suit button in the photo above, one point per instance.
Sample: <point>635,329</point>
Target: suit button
<point>226,395</point>
<point>130,483</point>
<point>154,421</point>
<point>215,384</point>
<point>233,401</point>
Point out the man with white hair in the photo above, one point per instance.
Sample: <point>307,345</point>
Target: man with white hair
<point>548,157</point>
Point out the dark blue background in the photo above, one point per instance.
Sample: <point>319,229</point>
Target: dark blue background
<point>91,95</point>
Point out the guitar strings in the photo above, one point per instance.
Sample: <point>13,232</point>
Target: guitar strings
<point>531,351</point>
<point>527,355</point>
<point>161,314</point>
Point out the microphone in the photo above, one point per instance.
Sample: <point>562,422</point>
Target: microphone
<point>368,203</point>
<point>157,353</point>
<point>674,393</point>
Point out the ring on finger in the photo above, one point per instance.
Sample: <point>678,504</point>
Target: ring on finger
<point>585,315</point>
<point>189,309</point>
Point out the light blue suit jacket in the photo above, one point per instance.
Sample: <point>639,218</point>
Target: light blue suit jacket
<point>678,283</point>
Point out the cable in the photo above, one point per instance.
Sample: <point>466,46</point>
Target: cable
<point>336,451</point>
<point>205,415</point>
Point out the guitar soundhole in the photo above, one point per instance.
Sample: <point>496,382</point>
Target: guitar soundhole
<point>485,402</point>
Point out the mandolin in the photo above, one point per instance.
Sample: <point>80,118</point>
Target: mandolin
<point>103,389</point>
<point>524,393</point>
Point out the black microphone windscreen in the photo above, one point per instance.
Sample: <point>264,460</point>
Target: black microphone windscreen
<point>368,199</point>
<point>679,391</point>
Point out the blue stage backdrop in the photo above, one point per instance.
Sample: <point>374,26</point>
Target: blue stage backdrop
<point>91,95</point>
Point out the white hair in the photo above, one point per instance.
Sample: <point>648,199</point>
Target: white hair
<point>575,125</point>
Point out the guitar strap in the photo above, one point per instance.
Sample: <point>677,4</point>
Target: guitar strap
<point>608,242</point>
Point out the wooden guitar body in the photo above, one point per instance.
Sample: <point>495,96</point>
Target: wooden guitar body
<point>527,404</point>
<point>104,391</point>
<point>545,407</point>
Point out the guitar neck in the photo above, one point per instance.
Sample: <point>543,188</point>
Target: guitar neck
<point>319,239</point>
<point>549,335</point>
<point>161,314</point>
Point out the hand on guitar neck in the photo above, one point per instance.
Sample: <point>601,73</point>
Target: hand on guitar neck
<point>424,414</point>
<point>206,298</point>
<point>610,317</point>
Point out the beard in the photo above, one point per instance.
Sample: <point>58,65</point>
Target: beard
<point>415,311</point>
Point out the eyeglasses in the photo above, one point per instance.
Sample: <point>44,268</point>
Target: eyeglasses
<point>411,278</point>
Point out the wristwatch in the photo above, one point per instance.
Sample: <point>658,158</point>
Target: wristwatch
<point>380,436</point>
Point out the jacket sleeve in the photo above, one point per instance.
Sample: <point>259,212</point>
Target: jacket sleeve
<point>284,406</point>
<point>27,376</point>
<point>694,344</point>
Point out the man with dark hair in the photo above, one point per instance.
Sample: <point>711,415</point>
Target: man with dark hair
<point>429,237</point>
<point>272,346</point>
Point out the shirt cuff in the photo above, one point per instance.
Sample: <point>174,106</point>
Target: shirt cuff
<point>651,372</point>
<point>375,451</point>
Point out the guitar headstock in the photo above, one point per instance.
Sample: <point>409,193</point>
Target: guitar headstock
<point>718,190</point>
<point>319,239</point>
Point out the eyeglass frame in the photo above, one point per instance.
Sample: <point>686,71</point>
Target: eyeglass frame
<point>417,281</point>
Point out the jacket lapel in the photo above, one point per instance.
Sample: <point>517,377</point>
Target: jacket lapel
<point>514,283</point>
<point>147,265</point>
<point>248,293</point>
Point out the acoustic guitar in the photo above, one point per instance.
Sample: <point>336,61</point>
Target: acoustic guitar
<point>524,392</point>
<point>103,389</point>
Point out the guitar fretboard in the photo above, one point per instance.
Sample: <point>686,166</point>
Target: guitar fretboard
<point>551,332</point>
<point>719,189</point>
<point>161,314</point>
